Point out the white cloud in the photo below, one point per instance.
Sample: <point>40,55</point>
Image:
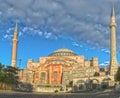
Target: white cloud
<point>9,30</point>
<point>47,35</point>
<point>40,33</point>
<point>20,33</point>
<point>7,36</point>
<point>83,20</point>
<point>75,44</point>
<point>106,50</point>
<point>105,64</point>
<point>81,46</point>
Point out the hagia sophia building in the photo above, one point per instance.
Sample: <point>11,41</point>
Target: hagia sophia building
<point>64,67</point>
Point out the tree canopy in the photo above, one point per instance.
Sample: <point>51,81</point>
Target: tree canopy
<point>118,75</point>
<point>9,74</point>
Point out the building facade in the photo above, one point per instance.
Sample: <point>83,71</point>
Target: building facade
<point>50,69</point>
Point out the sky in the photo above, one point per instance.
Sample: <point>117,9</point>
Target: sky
<point>47,25</point>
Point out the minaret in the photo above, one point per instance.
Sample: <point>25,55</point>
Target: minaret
<point>113,59</point>
<point>14,47</point>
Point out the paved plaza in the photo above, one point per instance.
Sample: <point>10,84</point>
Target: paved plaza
<point>9,94</point>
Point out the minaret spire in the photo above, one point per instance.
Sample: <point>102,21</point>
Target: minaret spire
<point>14,47</point>
<point>113,58</point>
<point>113,10</point>
<point>16,31</point>
<point>16,27</point>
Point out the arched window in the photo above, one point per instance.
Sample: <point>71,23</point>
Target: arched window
<point>43,77</point>
<point>55,74</point>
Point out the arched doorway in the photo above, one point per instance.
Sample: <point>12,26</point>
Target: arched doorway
<point>43,77</point>
<point>105,83</point>
<point>94,84</point>
<point>80,85</point>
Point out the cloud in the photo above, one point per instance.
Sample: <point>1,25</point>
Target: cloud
<point>105,64</point>
<point>20,34</point>
<point>7,36</point>
<point>49,35</point>
<point>75,44</point>
<point>105,50</point>
<point>83,20</point>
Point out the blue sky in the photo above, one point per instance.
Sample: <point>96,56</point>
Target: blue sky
<point>47,25</point>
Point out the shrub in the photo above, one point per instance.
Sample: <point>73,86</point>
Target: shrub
<point>56,91</point>
<point>104,87</point>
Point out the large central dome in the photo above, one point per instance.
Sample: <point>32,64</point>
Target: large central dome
<point>63,52</point>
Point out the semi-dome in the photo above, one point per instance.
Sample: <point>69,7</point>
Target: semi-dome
<point>63,52</point>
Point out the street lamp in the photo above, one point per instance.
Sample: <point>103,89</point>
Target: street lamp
<point>20,60</point>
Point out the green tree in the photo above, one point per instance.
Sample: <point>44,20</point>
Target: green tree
<point>2,73</point>
<point>11,75</point>
<point>2,76</point>
<point>118,75</point>
<point>8,76</point>
<point>1,67</point>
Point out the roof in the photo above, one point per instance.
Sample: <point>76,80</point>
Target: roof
<point>63,52</point>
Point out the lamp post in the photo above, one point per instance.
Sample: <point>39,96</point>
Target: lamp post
<point>88,81</point>
<point>20,60</point>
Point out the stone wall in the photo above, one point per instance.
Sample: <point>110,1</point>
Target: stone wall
<point>51,89</point>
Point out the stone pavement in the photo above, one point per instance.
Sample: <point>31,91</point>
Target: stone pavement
<point>10,94</point>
